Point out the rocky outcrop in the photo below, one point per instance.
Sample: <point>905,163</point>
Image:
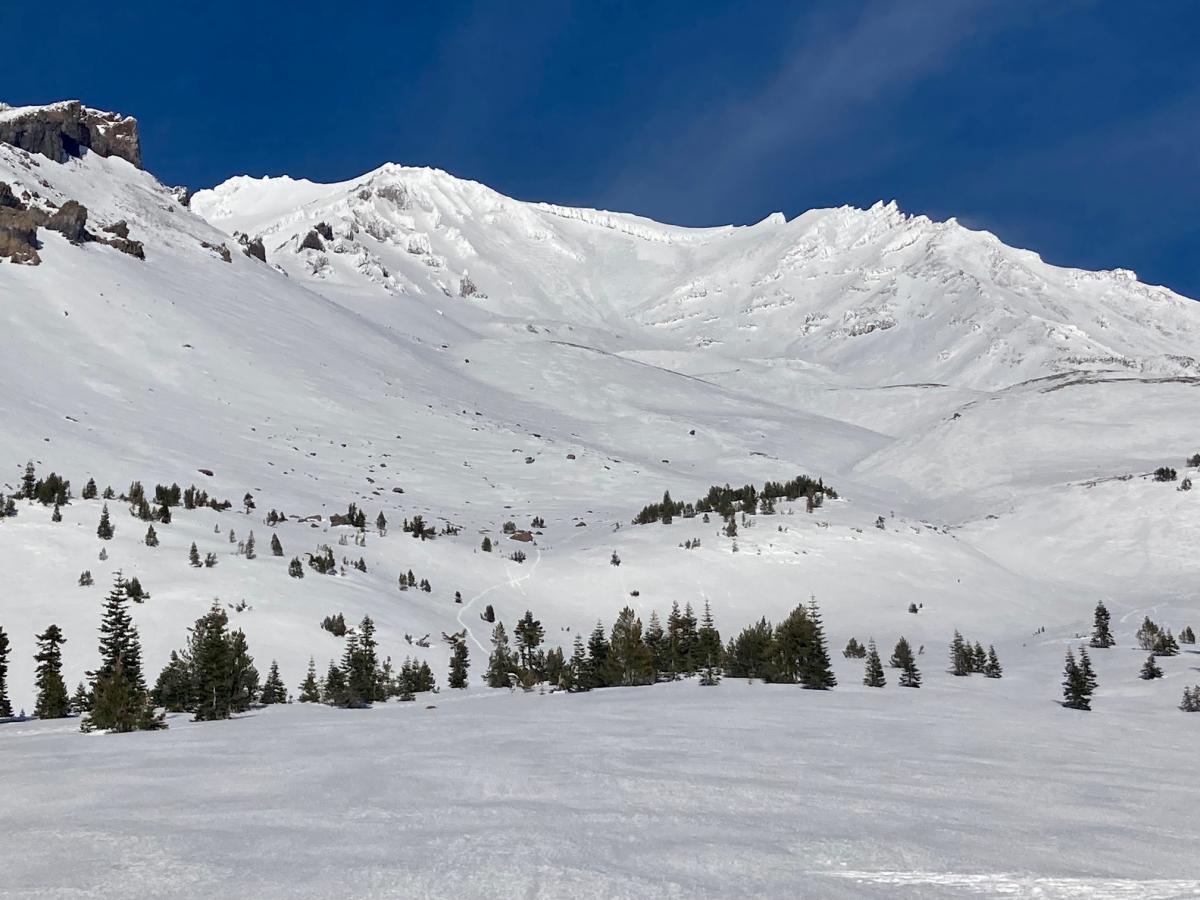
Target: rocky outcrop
<point>70,220</point>
<point>252,247</point>
<point>63,130</point>
<point>18,229</point>
<point>312,241</point>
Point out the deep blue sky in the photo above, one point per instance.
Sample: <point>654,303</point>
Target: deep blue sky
<point>1071,128</point>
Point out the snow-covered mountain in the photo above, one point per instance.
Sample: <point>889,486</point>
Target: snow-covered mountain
<point>867,296</point>
<point>419,344</point>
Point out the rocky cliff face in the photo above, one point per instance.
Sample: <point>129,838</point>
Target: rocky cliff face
<point>63,130</point>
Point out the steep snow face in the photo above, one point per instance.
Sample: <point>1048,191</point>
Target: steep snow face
<point>871,297</point>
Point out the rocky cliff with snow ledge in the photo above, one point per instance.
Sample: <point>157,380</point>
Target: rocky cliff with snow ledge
<point>62,130</point>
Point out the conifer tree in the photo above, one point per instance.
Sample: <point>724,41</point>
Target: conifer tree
<point>1191,699</point>
<point>816,669</point>
<point>310,690</point>
<point>81,700</point>
<point>105,529</point>
<point>250,550</point>
<point>245,675</point>
<point>28,481</point>
<point>978,658</point>
<point>56,514</point>
<point>381,524</point>
<point>992,669</point>
<point>873,676</point>
<point>459,660</point>
<point>1150,669</point>
<point>151,537</point>
<point>656,643</point>
<point>173,689</point>
<point>334,687</point>
<point>52,701</point>
<point>212,666</point>
<point>296,568</point>
<point>630,657</point>
<point>578,674</point>
<point>276,546</point>
<point>529,634</point>
<point>903,659</point>
<point>119,639</point>
<point>85,578</point>
<point>1075,689</point>
<point>6,710</point>
<point>1101,633</point>
<point>599,664</point>
<point>960,655</point>
<point>1085,668</point>
<point>119,705</point>
<point>194,556</point>
<point>486,546</point>
<point>89,490</point>
<point>501,662</point>
<point>708,641</point>
<point>273,690</point>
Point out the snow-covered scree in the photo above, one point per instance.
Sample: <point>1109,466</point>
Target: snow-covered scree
<point>956,790</point>
<point>990,423</point>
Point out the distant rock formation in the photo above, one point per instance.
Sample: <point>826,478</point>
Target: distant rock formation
<point>63,130</point>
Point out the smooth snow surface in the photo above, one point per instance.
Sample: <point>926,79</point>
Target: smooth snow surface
<point>672,791</point>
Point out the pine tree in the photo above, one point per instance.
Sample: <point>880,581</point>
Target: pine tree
<point>119,639</point>
<point>599,664</point>
<point>296,568</point>
<point>250,550</point>
<point>105,529</point>
<point>816,670</point>
<point>52,700</point>
<point>151,537</point>
<point>194,556</point>
<point>173,688</point>
<point>1150,669</point>
<point>56,515</point>
<point>89,490</point>
<point>6,710</point>
<point>656,642</point>
<point>120,705</point>
<point>978,658</point>
<point>310,690</point>
<point>903,659</point>
<point>28,481</point>
<point>245,676</point>
<point>1191,699</point>
<point>578,674</point>
<point>630,657</point>
<point>501,662</point>
<point>273,690</point>
<point>992,669</point>
<point>1187,636</point>
<point>212,666</point>
<point>1075,688</point>
<point>81,700</point>
<point>486,546</point>
<point>381,524</point>
<point>1101,634</point>
<point>334,688</point>
<point>529,634</point>
<point>873,677</point>
<point>708,641</point>
<point>459,660</point>
<point>960,655</point>
<point>1085,668</point>
<point>276,546</point>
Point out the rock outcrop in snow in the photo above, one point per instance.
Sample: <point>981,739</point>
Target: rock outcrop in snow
<point>62,130</point>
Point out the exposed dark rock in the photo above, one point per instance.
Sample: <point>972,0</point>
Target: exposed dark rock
<point>7,198</point>
<point>324,231</point>
<point>18,235</point>
<point>120,229</point>
<point>220,249</point>
<point>182,194</point>
<point>66,129</point>
<point>127,246</point>
<point>70,220</point>
<point>312,241</point>
<point>252,247</point>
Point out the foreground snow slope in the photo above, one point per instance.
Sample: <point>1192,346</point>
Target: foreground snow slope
<point>961,789</point>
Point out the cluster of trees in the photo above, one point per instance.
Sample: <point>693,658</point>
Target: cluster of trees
<point>966,659</point>
<point>628,654</point>
<point>361,679</point>
<point>409,580</point>
<point>1079,680</point>
<point>726,500</point>
<point>214,675</point>
<point>1157,640</point>
<point>794,651</point>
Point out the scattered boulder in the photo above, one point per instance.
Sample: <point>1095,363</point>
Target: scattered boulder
<point>220,249</point>
<point>523,536</point>
<point>120,229</point>
<point>324,231</point>
<point>182,194</point>
<point>253,248</point>
<point>70,220</point>
<point>128,247</point>
<point>312,241</point>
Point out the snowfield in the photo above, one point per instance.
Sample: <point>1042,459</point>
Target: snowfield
<point>990,423</point>
<point>744,790</point>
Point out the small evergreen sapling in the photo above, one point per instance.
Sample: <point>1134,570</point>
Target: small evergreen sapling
<point>105,529</point>
<point>873,676</point>
<point>276,546</point>
<point>1150,669</point>
<point>310,690</point>
<point>903,659</point>
<point>194,556</point>
<point>992,669</point>
<point>1101,634</point>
